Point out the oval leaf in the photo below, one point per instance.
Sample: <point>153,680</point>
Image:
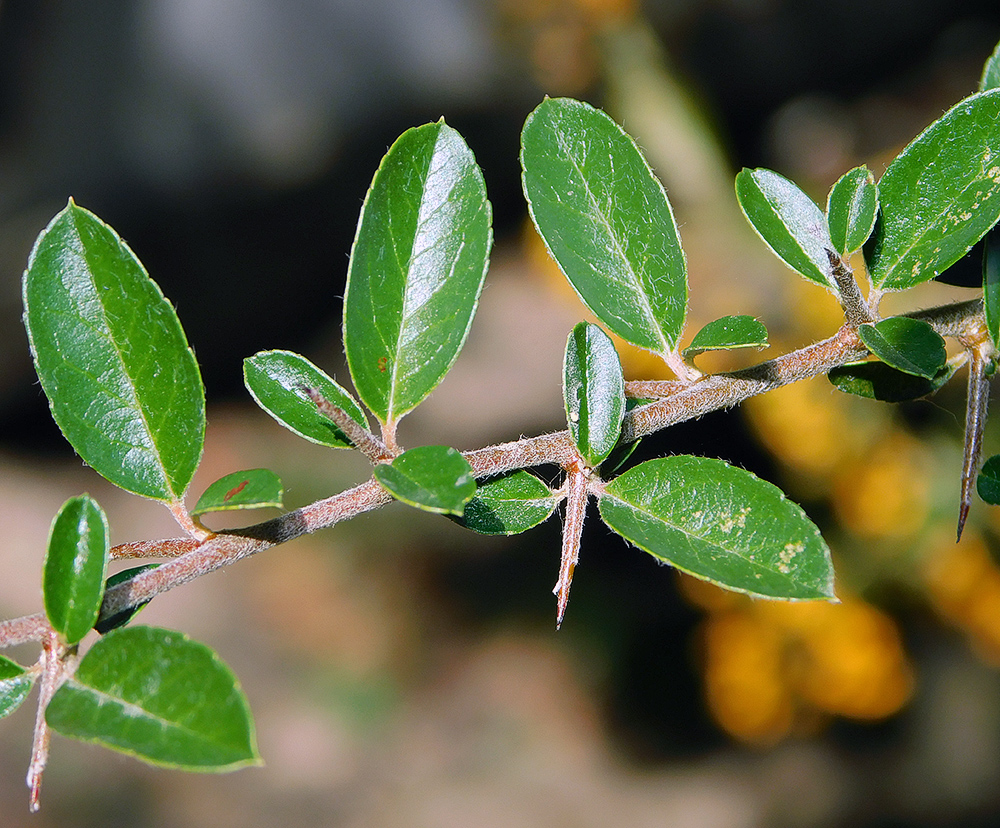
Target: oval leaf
<point>606,221</point>
<point>593,391</point>
<point>509,505</point>
<point>939,196</point>
<point>722,524</point>
<point>159,696</point>
<point>851,209</point>
<point>991,285</point>
<point>253,489</point>
<point>788,221</point>
<point>275,380</point>
<point>120,619</point>
<point>122,383</point>
<point>728,332</point>
<point>417,268</point>
<point>878,381</point>
<point>432,478</point>
<point>75,567</point>
<point>15,684</point>
<point>988,482</point>
<point>908,345</point>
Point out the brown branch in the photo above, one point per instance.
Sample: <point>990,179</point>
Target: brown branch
<point>686,402</point>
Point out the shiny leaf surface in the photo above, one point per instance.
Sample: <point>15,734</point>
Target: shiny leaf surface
<point>606,221</point>
<point>721,524</point>
<point>939,196</point>
<point>159,696</point>
<point>122,383</point>
<point>417,268</point>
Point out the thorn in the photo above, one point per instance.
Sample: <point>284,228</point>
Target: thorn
<point>977,404</point>
<point>576,505</point>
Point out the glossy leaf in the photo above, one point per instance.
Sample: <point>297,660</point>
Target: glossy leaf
<point>275,380</point>
<point>788,221</point>
<point>939,196</point>
<point>432,478</point>
<point>851,209</point>
<point>122,383</point>
<point>75,567</point>
<point>159,696</point>
<point>252,489</point>
<point>593,392</point>
<point>908,345</point>
<point>120,619</point>
<point>509,505</point>
<point>15,684</point>
<point>878,381</point>
<point>988,482</point>
<point>417,268</point>
<point>991,72</point>
<point>991,285</point>
<point>722,524</point>
<point>728,332</point>
<point>606,221</point>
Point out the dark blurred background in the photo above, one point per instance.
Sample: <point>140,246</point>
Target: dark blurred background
<point>402,671</point>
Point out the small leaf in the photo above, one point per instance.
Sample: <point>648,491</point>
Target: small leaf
<point>161,697</point>
<point>76,564</point>
<point>275,380</point>
<point>878,381</point>
<point>909,345</point>
<point>988,482</point>
<point>417,268</point>
<point>606,221</point>
<point>851,209</point>
<point>991,72</point>
<point>253,489</point>
<point>939,196</point>
<point>509,505</point>
<point>991,285</point>
<point>788,221</point>
<point>122,383</point>
<point>726,333</point>
<point>120,619</point>
<point>15,684</point>
<point>593,391</point>
<point>722,524</point>
<point>432,478</point>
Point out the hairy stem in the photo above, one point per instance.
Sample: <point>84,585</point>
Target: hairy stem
<point>684,401</point>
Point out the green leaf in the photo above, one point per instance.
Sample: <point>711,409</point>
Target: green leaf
<point>76,564</point>
<point>275,380</point>
<point>432,478</point>
<point>878,381</point>
<point>122,383</point>
<point>161,697</point>
<point>15,684</point>
<point>851,209</point>
<point>726,333</point>
<point>991,285</point>
<point>509,505</point>
<point>940,195</point>
<point>788,221</point>
<point>593,391</point>
<point>991,72</point>
<point>120,619</point>
<point>909,345</point>
<point>417,269</point>
<point>606,221</point>
<point>988,482</point>
<point>722,524</point>
<point>252,489</point>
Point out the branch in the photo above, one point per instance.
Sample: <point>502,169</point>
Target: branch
<point>686,402</point>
